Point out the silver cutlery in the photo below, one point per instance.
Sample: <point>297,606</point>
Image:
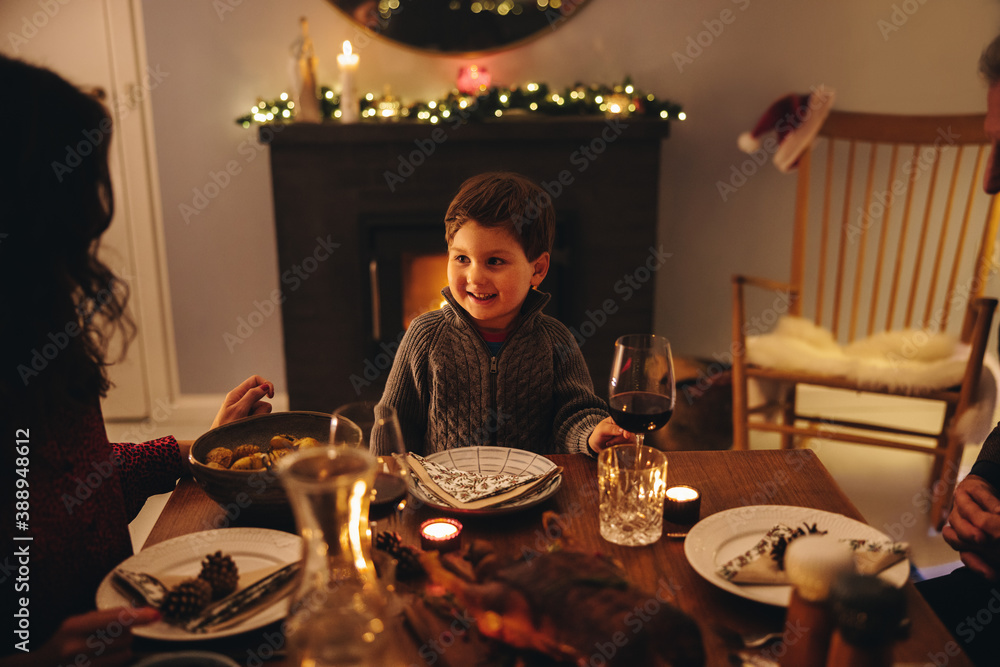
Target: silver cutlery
<point>235,605</point>
<point>150,591</point>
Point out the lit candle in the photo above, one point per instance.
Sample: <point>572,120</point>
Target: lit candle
<point>348,62</point>
<point>440,535</point>
<point>682,505</point>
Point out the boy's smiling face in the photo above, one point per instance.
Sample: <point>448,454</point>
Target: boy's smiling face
<point>490,275</point>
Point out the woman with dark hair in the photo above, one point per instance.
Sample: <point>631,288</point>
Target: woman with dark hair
<point>71,493</point>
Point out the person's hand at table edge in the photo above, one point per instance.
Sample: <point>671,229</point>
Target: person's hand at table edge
<point>974,526</point>
<point>607,434</point>
<point>75,640</point>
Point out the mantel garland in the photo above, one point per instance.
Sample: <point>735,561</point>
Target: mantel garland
<point>491,103</point>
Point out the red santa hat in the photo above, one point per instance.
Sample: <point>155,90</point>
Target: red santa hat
<point>796,119</point>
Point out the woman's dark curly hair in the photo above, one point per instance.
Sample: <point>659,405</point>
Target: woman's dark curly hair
<point>60,304</point>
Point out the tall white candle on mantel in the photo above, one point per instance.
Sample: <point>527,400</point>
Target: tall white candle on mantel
<point>349,106</point>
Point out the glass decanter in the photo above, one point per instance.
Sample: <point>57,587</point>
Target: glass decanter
<point>339,616</point>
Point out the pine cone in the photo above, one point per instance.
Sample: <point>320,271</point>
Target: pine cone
<point>221,574</point>
<point>186,599</point>
<point>407,561</point>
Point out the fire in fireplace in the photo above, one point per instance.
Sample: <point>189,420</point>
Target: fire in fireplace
<point>424,276</point>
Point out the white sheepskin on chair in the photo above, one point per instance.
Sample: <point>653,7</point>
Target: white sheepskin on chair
<point>905,361</point>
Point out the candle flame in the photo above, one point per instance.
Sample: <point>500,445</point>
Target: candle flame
<point>347,47</point>
<point>440,531</point>
<point>681,493</point>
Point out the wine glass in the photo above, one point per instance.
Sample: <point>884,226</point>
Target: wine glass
<point>642,391</point>
<point>374,427</point>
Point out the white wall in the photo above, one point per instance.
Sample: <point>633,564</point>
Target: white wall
<point>223,260</point>
<point>93,44</point>
<point>928,65</point>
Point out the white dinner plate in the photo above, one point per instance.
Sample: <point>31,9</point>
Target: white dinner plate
<point>256,552</point>
<point>721,537</point>
<point>491,461</point>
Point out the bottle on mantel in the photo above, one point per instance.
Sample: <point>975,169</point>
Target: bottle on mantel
<point>813,563</point>
<point>868,613</point>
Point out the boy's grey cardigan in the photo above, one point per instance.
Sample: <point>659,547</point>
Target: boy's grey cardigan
<point>450,391</point>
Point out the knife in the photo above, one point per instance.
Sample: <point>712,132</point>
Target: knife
<point>236,605</point>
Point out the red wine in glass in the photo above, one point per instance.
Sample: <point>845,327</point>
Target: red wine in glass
<point>641,411</point>
<point>389,496</point>
<point>641,393</point>
<point>375,428</point>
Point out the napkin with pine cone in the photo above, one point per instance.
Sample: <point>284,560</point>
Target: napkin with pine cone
<point>764,563</point>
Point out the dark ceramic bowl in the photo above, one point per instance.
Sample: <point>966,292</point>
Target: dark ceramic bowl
<point>252,492</point>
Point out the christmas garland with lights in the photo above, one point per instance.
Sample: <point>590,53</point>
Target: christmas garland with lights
<point>489,104</point>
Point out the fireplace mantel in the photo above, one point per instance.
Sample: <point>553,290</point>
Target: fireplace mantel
<point>333,182</point>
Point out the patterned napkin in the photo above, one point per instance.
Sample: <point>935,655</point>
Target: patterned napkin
<point>466,489</point>
<point>764,562</point>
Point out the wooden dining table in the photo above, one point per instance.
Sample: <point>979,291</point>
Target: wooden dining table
<point>726,480</point>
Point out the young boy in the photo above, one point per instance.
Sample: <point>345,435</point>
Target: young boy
<point>489,368</point>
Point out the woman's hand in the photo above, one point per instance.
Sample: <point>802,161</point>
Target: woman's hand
<point>245,400</point>
<point>974,526</point>
<point>607,434</point>
<point>98,638</point>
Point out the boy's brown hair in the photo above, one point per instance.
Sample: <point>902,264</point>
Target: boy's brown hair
<point>506,200</point>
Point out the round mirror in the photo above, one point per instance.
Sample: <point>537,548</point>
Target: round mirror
<point>457,27</point>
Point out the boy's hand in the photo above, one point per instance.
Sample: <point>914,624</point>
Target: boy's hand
<point>607,434</point>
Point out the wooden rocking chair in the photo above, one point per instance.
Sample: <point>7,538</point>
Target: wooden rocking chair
<point>888,212</point>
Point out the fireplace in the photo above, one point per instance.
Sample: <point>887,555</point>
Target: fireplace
<point>350,185</point>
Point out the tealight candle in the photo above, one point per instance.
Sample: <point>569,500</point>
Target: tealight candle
<point>682,505</point>
<point>440,534</point>
<point>349,106</point>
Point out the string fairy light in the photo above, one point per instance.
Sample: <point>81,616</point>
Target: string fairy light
<point>493,103</point>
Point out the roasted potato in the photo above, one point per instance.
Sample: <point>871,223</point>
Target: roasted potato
<point>221,456</point>
<point>282,441</point>
<point>254,461</point>
<point>306,443</point>
<point>245,450</point>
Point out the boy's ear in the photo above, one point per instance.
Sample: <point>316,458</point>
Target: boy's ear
<point>541,267</point>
